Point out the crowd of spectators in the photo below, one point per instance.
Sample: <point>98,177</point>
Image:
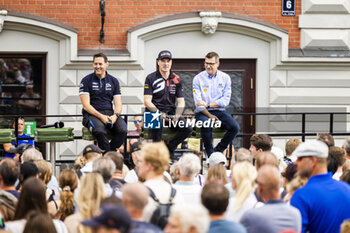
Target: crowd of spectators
<point>22,94</point>
<point>101,194</point>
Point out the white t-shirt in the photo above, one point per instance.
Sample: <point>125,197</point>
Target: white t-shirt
<point>18,226</point>
<point>131,176</point>
<point>190,191</point>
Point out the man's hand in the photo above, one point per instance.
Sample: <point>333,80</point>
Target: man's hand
<point>104,119</point>
<point>213,118</point>
<point>113,118</point>
<point>202,103</point>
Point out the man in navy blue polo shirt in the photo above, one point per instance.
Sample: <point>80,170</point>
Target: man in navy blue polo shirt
<point>163,92</point>
<point>97,92</point>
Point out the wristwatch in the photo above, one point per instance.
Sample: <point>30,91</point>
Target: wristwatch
<point>117,114</point>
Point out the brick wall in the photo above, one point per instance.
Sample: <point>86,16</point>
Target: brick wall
<point>124,14</point>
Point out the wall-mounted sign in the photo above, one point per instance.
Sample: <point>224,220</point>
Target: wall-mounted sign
<point>288,7</point>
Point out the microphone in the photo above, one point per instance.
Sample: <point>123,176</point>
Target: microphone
<point>58,124</point>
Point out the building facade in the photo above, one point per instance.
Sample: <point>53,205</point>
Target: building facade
<point>277,63</point>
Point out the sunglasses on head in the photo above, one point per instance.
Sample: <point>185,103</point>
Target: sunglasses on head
<point>135,122</point>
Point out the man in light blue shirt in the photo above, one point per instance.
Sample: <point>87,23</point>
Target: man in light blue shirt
<point>212,93</point>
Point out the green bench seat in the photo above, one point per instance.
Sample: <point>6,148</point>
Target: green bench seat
<point>7,135</point>
<point>53,134</point>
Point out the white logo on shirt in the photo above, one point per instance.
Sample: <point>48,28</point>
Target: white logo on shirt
<point>159,84</point>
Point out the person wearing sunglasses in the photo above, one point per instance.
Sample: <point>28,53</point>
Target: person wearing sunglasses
<point>323,202</point>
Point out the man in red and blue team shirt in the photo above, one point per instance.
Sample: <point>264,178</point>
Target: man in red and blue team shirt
<point>163,92</point>
<point>97,91</point>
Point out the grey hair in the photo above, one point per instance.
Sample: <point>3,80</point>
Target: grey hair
<point>189,165</point>
<point>192,215</point>
<point>243,154</point>
<point>31,154</point>
<point>347,145</point>
<point>105,166</point>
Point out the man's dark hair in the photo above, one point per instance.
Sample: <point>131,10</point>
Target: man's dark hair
<point>117,159</point>
<point>215,198</point>
<point>9,171</point>
<point>213,54</point>
<point>326,138</point>
<point>261,141</point>
<point>101,55</point>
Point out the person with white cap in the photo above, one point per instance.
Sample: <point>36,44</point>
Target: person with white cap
<point>323,202</point>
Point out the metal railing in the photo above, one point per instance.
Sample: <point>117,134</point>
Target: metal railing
<point>302,133</point>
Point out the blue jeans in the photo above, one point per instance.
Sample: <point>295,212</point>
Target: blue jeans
<point>227,122</point>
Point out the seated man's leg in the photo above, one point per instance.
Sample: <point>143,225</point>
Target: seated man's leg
<point>206,134</point>
<point>232,127</point>
<point>156,134</point>
<point>98,130</point>
<point>181,134</point>
<point>119,132</point>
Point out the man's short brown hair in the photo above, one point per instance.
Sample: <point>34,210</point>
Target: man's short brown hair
<point>291,145</point>
<point>100,55</point>
<point>215,198</point>
<point>261,141</point>
<point>211,55</point>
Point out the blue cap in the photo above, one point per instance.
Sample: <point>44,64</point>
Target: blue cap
<point>113,217</point>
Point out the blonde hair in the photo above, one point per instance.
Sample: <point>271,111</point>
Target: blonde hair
<point>244,175</point>
<point>217,172</point>
<point>294,184</point>
<point>68,181</point>
<point>46,175</point>
<point>157,154</point>
<point>91,192</point>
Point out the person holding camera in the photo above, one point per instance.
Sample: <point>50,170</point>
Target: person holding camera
<point>97,92</point>
<point>13,152</point>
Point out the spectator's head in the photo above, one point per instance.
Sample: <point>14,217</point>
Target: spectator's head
<point>296,183</point>
<point>68,182</point>
<point>326,138</point>
<point>111,219</point>
<point>345,226</point>
<point>138,123</point>
<point>117,159</point>
<point>104,166</point>
<point>46,170</point>
<point>9,172</point>
<point>135,198</point>
<point>243,181</point>
<point>189,166</point>
<point>289,173</point>
<point>215,198</point>
<point>312,158</point>
<point>242,154</point>
<point>291,145</point>
<point>346,176</point>
<point>91,152</point>
<point>259,143</point>
<point>174,171</point>
<point>27,170</point>
<point>31,154</point>
<point>164,61</point>
<point>155,160</point>
<point>217,158</point>
<point>217,173</point>
<point>266,157</point>
<point>91,192</point>
<point>346,147</point>
<point>78,163</point>
<point>135,150</point>
<point>188,218</point>
<point>32,197</point>
<point>269,182</point>
<point>21,125</point>
<point>339,155</point>
<point>7,205</point>
<point>38,222</point>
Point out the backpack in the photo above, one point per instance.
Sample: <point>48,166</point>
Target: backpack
<point>162,212</point>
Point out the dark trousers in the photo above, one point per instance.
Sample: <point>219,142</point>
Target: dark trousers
<point>227,122</point>
<point>181,134</point>
<point>100,131</point>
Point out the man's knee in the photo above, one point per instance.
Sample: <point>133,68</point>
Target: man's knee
<point>99,131</point>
